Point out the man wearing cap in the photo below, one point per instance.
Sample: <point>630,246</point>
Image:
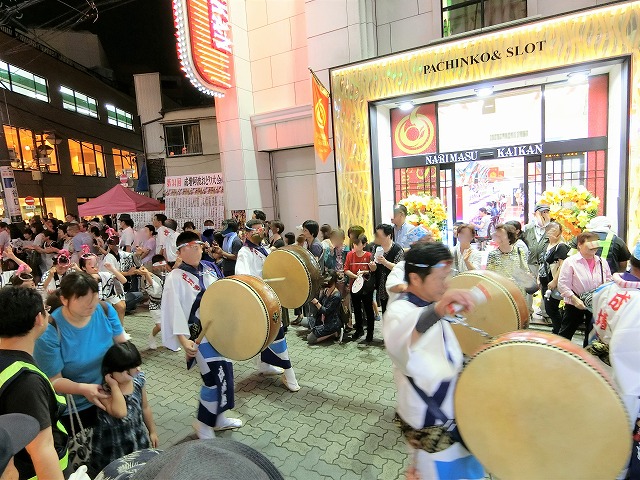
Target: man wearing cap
<point>400,226</point>
<point>612,247</point>
<point>25,389</point>
<point>616,305</point>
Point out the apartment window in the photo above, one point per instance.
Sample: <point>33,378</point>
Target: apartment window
<point>125,162</point>
<point>79,102</point>
<point>23,82</point>
<point>459,16</point>
<point>31,152</point>
<point>183,139</point>
<point>119,118</point>
<point>86,158</point>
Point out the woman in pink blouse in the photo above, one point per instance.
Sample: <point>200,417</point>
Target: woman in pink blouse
<point>579,274</point>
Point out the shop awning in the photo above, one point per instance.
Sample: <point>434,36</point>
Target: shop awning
<point>117,200</point>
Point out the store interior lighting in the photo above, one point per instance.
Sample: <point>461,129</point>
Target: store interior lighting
<point>406,106</point>
<point>484,92</point>
<point>577,78</point>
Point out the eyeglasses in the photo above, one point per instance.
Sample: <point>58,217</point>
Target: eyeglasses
<point>191,244</point>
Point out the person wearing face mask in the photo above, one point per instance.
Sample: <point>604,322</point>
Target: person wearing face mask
<point>274,360</point>
<point>230,247</point>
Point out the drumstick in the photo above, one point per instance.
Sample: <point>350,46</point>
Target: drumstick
<point>277,279</point>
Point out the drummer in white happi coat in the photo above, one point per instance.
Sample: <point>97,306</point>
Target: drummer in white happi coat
<point>183,291</point>
<point>616,313</point>
<point>274,360</point>
<point>427,360</point>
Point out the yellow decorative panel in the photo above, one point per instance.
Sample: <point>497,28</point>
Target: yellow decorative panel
<point>594,35</point>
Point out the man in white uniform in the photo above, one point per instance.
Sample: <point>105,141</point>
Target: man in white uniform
<point>183,290</point>
<point>616,311</point>
<point>427,360</point>
<point>274,360</point>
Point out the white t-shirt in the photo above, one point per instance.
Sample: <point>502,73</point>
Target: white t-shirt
<point>170,247</point>
<point>161,238</point>
<point>127,238</point>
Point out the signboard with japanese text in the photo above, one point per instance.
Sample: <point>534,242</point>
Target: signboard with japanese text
<point>11,200</point>
<point>195,198</point>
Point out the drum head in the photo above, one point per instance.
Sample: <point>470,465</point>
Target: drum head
<point>240,319</point>
<point>301,273</point>
<point>506,310</point>
<point>535,406</point>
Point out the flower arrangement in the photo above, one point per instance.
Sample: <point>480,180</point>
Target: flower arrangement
<point>572,207</point>
<point>427,211</point>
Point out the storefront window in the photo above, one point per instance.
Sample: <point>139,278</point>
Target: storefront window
<point>415,181</point>
<point>509,118</point>
<point>86,158</point>
<point>54,205</point>
<point>576,111</point>
<point>124,160</point>
<point>459,16</point>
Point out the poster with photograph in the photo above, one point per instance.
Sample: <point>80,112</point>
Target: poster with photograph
<point>241,217</point>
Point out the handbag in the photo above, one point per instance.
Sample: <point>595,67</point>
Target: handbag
<point>79,445</point>
<point>587,297</point>
<point>524,277</point>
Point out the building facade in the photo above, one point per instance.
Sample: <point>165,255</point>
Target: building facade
<point>265,119</point>
<point>66,132</point>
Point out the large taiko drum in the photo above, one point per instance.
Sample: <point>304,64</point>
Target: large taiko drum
<point>240,316</point>
<point>300,271</point>
<point>505,310</point>
<point>533,405</point>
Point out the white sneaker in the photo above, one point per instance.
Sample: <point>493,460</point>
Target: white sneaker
<point>227,423</point>
<point>153,345</point>
<point>204,432</point>
<point>266,369</point>
<point>176,350</point>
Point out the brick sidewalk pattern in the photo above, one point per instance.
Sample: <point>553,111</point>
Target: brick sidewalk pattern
<point>338,426</point>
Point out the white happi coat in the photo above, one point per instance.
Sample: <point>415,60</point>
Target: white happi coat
<point>250,262</point>
<point>180,291</point>
<point>435,358</point>
<point>616,307</point>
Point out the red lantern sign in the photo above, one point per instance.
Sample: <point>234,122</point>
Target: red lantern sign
<point>203,32</point>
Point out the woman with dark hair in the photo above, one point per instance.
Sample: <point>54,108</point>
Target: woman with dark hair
<point>520,243</point>
<point>359,264</point>
<point>327,323</point>
<point>71,350</point>
<point>464,257</point>
<point>110,282</point>
<point>387,254</point>
<point>507,259</point>
<point>276,241</point>
<point>290,238</point>
<point>551,262</point>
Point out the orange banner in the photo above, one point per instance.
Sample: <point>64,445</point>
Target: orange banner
<point>320,119</point>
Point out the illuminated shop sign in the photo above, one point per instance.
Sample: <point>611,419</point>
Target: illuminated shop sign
<point>204,43</point>
<point>482,154</point>
<point>484,57</point>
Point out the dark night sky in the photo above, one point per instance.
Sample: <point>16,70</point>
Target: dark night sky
<point>137,35</point>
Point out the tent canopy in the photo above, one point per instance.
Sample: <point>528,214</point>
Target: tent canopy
<point>117,200</point>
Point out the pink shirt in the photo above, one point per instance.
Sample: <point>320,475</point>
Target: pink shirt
<point>576,277</point>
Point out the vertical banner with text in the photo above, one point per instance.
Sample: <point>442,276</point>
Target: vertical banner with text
<point>320,118</point>
<point>11,200</point>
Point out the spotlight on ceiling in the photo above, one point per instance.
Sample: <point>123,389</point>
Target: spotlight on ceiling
<point>406,106</point>
<point>484,92</point>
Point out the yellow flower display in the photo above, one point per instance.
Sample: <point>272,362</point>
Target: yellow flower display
<point>426,211</point>
<point>571,207</point>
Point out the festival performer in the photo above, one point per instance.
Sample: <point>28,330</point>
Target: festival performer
<point>183,290</point>
<point>427,360</point>
<point>153,284</point>
<point>617,324</point>
<point>275,359</point>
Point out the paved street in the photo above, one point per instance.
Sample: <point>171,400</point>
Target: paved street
<point>338,426</point>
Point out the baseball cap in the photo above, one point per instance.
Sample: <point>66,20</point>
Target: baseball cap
<point>16,432</point>
<point>540,207</point>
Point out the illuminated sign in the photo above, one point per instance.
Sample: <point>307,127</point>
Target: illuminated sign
<point>204,43</point>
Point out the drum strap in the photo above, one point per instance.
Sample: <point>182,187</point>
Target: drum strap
<point>434,411</point>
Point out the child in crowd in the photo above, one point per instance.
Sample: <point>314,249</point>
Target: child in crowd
<point>10,260</point>
<point>121,428</point>
<point>154,284</point>
<point>50,281</point>
<point>23,278</point>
